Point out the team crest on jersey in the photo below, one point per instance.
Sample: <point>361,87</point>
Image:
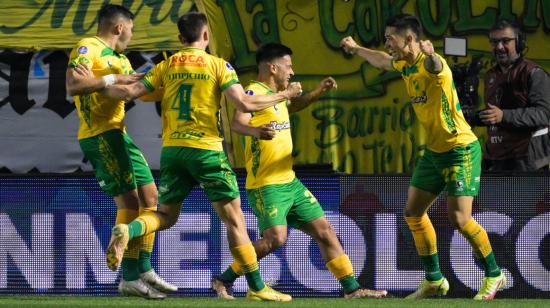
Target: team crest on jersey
<point>459,186</point>
<point>249,92</point>
<point>82,50</point>
<point>228,66</point>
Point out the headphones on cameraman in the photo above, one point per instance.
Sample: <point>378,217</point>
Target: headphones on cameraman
<point>520,41</point>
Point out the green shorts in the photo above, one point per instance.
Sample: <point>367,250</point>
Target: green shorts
<point>181,168</point>
<point>458,171</point>
<point>282,204</point>
<point>118,163</point>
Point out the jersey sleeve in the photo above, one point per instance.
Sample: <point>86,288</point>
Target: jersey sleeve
<point>226,75</point>
<point>154,77</point>
<point>83,53</point>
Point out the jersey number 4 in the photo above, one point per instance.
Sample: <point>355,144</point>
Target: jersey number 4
<point>182,102</point>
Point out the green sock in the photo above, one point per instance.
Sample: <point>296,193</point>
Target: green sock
<point>349,284</point>
<point>130,269</point>
<point>431,267</point>
<point>490,265</point>
<point>254,280</point>
<point>144,261</point>
<point>229,275</point>
<point>134,229</point>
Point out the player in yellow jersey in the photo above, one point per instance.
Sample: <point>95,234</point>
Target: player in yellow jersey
<point>193,83</point>
<point>452,160</point>
<point>276,196</point>
<point>119,165</point>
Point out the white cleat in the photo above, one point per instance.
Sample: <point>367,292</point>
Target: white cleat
<point>140,289</point>
<point>154,280</point>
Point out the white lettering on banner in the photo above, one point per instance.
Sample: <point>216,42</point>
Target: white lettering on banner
<point>85,255</point>
<point>461,254</point>
<point>174,248</point>
<point>388,276</point>
<point>36,262</point>
<point>528,252</point>
<point>84,249</point>
<point>299,260</point>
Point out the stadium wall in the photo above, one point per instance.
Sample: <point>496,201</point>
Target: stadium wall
<point>54,230</point>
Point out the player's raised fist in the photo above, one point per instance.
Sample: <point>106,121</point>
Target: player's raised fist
<point>427,47</point>
<point>328,84</point>
<point>294,89</point>
<point>349,45</point>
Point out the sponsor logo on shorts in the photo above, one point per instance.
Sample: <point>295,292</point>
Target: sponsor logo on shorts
<point>459,185</point>
<point>249,92</point>
<point>82,50</point>
<point>163,189</point>
<point>101,183</point>
<point>272,212</point>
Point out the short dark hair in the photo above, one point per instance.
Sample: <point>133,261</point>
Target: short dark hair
<point>190,26</point>
<point>502,24</point>
<point>270,51</point>
<point>109,11</point>
<point>404,22</point>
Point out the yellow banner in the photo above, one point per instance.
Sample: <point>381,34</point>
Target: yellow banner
<point>367,125</point>
<point>49,24</point>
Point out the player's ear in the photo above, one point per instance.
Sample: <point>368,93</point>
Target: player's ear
<point>118,29</point>
<point>205,35</point>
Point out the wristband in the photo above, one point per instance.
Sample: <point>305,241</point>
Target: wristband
<point>109,79</point>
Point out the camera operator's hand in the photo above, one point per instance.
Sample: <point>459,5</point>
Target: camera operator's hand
<point>492,115</point>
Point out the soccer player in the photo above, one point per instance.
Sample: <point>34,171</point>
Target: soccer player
<point>119,165</point>
<point>192,153</point>
<point>452,160</point>
<point>276,196</point>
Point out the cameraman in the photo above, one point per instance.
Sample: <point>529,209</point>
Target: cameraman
<point>517,93</point>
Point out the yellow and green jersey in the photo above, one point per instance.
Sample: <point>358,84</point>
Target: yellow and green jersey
<point>193,82</point>
<point>436,105</point>
<point>269,161</point>
<point>97,112</point>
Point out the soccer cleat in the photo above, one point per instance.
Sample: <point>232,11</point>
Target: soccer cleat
<point>430,288</point>
<point>366,293</point>
<point>224,290</point>
<point>140,289</point>
<point>490,287</point>
<point>117,245</point>
<point>267,294</point>
<point>154,280</point>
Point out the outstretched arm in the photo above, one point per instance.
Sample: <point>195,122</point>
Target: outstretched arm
<point>126,92</point>
<point>81,80</point>
<point>376,58</point>
<point>251,103</point>
<point>301,102</point>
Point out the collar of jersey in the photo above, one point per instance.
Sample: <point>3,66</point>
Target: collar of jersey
<point>262,85</point>
<point>192,48</point>
<point>107,51</point>
<point>420,54</point>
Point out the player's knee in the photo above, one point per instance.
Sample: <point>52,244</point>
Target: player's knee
<point>276,240</point>
<point>326,233</point>
<point>151,200</point>
<point>458,221</point>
